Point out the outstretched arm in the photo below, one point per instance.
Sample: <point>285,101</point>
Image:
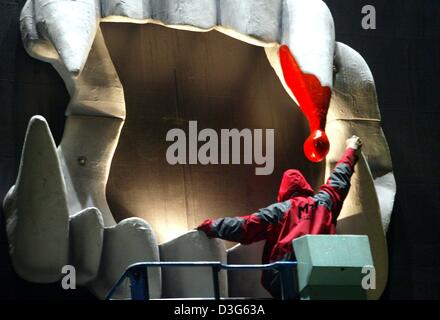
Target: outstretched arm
<point>246,229</point>
<point>333,193</point>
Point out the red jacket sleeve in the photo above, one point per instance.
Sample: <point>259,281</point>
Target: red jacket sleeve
<point>246,229</point>
<point>333,193</point>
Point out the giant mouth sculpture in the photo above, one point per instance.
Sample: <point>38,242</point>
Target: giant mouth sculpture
<point>57,212</point>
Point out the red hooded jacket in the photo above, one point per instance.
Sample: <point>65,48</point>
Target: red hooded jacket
<point>298,212</point>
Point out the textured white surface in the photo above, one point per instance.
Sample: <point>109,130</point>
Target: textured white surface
<point>86,238</point>
<point>93,140</point>
<point>70,26</point>
<point>97,91</point>
<point>130,241</point>
<point>136,9</point>
<point>197,13</point>
<point>260,19</point>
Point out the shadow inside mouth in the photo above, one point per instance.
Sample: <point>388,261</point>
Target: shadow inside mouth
<point>171,77</point>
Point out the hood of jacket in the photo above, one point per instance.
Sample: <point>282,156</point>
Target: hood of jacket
<point>293,184</point>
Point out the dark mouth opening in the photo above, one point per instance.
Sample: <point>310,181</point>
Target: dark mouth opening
<point>171,77</point>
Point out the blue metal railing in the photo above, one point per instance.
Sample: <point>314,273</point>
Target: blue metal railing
<point>138,275</point>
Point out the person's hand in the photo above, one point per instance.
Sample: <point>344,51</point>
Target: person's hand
<point>354,142</point>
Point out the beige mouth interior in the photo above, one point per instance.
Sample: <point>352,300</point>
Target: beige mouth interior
<point>172,76</point>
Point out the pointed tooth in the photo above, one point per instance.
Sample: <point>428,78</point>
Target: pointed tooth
<point>308,30</point>
<point>258,19</point>
<point>71,27</point>
<point>86,238</point>
<point>192,246</point>
<point>130,241</point>
<point>40,232</point>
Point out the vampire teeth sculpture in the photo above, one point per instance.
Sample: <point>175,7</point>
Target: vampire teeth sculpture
<point>57,212</point>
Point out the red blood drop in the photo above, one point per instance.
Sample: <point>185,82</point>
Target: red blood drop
<point>313,100</point>
<point>316,146</point>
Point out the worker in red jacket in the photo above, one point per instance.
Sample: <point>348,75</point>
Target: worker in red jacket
<point>298,212</point>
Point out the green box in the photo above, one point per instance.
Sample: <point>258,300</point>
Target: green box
<point>330,266</point>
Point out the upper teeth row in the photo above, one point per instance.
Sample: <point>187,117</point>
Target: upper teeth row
<point>70,26</point>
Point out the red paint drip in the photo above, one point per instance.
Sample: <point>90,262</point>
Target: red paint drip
<point>313,100</point>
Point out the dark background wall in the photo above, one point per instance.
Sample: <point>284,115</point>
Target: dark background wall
<point>404,56</point>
